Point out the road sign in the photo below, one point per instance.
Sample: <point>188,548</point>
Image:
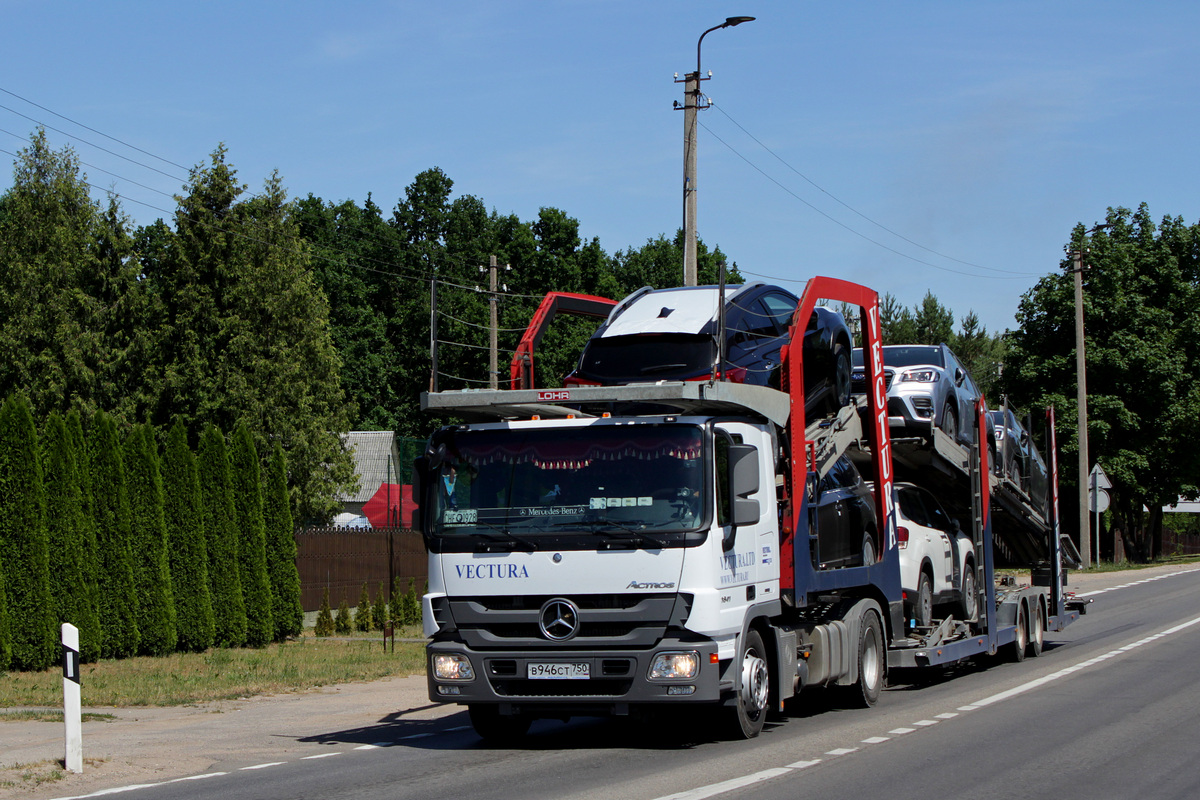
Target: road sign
<point>1098,500</point>
<point>1098,480</point>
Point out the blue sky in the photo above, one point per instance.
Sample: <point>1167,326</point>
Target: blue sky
<point>917,146</point>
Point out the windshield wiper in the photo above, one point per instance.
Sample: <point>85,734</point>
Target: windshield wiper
<point>505,535</point>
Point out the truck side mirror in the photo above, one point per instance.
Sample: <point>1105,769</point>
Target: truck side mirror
<point>743,481</point>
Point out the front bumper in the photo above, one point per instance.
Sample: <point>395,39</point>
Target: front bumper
<point>619,678</point>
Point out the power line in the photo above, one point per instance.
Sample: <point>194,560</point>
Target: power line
<point>93,130</point>
<point>859,213</point>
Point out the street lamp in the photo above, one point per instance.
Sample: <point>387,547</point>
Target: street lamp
<point>1085,531</point>
<point>691,104</point>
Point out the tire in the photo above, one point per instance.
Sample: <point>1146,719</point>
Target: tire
<point>840,395</point>
<point>494,728</point>
<point>923,602</point>
<point>868,550</point>
<point>871,659</point>
<point>1037,634</point>
<point>970,596</point>
<point>1016,650</point>
<point>950,422</point>
<point>745,720</point>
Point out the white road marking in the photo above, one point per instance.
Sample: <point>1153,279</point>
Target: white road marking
<point>727,786</point>
<point>841,751</point>
<point>1137,583</point>
<point>925,723</point>
<point>804,764</point>
<point>264,766</point>
<point>876,739</point>
<point>320,755</point>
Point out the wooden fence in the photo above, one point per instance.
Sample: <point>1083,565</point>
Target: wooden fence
<point>343,559</point>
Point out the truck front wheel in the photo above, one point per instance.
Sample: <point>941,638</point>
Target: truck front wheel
<point>745,720</point>
<point>866,691</point>
<point>495,728</point>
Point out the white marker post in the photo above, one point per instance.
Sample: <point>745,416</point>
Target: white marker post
<point>71,705</point>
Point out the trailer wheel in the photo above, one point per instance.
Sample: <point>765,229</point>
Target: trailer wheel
<point>1017,648</point>
<point>970,599</point>
<point>1037,634</point>
<point>494,728</point>
<point>866,692</point>
<point>923,604</point>
<point>745,720</point>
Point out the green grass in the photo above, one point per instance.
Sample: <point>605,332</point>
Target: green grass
<point>222,674</point>
<point>50,716</point>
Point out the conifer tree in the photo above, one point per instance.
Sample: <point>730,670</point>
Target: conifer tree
<point>114,570</point>
<point>396,603</point>
<point>412,604</point>
<point>252,557</point>
<point>91,638</point>
<point>23,539</point>
<point>73,587</point>
<point>5,631</point>
<point>379,612</point>
<point>341,622</point>
<point>362,614</point>
<point>324,626</point>
<point>148,544</point>
<point>281,550</point>
<point>217,515</point>
<point>187,550</point>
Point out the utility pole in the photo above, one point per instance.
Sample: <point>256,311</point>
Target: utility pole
<point>692,100</point>
<point>494,289</point>
<point>493,345</point>
<point>691,103</point>
<point>1085,528</point>
<point>433,334</point>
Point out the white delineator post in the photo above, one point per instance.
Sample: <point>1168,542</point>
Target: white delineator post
<point>71,704</point>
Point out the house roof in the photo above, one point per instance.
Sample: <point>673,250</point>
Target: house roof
<point>370,450</point>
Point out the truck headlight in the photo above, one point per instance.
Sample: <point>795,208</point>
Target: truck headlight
<point>452,667</point>
<point>667,666</point>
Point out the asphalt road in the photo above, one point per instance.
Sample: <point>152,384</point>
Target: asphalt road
<point>1108,711</point>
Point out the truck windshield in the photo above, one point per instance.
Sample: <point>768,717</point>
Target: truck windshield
<point>631,481</point>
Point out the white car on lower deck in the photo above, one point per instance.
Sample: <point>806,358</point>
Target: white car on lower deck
<point>937,558</point>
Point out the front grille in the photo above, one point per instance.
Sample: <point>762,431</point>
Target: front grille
<point>858,381</point>
<point>605,620</point>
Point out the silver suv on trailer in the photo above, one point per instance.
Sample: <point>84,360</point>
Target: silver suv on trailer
<point>927,388</point>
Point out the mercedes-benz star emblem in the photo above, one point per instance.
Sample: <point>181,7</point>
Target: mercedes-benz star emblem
<point>559,619</point>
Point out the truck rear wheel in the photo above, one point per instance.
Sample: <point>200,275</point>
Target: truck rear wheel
<point>865,693</point>
<point>1037,633</point>
<point>1017,648</point>
<point>495,728</point>
<point>745,720</point>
